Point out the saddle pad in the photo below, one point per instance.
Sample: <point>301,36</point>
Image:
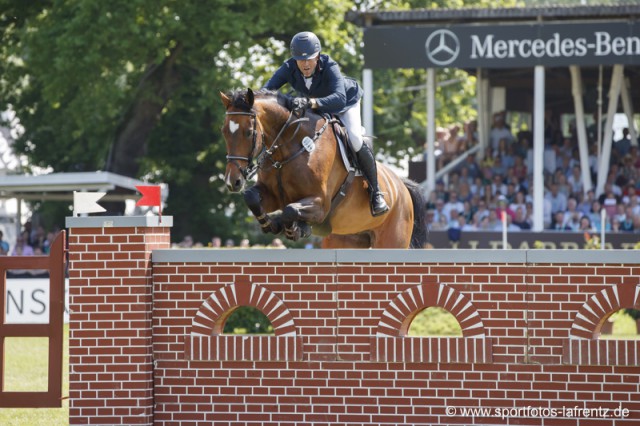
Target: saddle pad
<point>345,158</point>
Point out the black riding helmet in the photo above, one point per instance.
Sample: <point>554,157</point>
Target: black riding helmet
<point>304,45</point>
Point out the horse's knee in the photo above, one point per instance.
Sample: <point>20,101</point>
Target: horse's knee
<point>252,198</point>
<point>290,214</point>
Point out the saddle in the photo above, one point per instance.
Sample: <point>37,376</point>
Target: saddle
<point>349,158</point>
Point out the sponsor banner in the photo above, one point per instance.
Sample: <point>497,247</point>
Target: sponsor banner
<point>502,46</point>
<point>529,240</point>
<point>27,301</point>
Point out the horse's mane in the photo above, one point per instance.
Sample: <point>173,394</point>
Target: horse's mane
<point>239,98</point>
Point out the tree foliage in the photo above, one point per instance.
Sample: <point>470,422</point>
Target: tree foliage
<point>132,87</point>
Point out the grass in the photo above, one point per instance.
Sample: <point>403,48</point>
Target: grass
<point>26,370</point>
<point>624,327</point>
<point>435,321</point>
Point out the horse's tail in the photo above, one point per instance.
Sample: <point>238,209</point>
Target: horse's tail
<point>420,233</point>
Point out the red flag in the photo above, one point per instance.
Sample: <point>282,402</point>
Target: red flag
<point>150,196</point>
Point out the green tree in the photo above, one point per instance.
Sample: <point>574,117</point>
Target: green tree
<point>132,87</point>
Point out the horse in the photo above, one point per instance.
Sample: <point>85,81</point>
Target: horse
<point>301,177</point>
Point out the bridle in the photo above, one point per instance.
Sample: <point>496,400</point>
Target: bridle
<point>250,170</point>
<point>267,151</point>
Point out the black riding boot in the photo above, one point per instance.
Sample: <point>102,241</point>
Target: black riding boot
<point>368,166</point>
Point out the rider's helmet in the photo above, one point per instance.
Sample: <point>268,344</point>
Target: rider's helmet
<point>305,45</point>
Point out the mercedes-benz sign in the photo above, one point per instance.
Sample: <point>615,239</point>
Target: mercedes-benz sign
<point>443,47</point>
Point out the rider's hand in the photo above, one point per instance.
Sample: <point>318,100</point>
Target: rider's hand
<point>300,105</point>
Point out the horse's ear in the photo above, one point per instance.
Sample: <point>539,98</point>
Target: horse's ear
<point>225,100</point>
<point>250,97</point>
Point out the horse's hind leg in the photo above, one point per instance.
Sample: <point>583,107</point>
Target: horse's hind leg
<point>395,231</point>
<point>255,198</point>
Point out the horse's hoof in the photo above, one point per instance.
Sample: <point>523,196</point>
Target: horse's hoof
<point>292,233</point>
<point>305,230</point>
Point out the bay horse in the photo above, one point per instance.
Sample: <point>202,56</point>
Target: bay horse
<point>300,171</point>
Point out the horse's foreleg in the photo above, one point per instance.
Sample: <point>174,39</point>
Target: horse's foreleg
<point>297,216</point>
<point>256,198</point>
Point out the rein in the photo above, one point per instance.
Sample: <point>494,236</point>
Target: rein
<point>267,152</point>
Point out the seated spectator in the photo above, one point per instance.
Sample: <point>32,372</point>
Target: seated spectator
<point>498,169</point>
<point>493,222</point>
<point>575,180</point>
<point>4,246</point>
<point>503,206</point>
<point>626,225</point>
<point>615,225</point>
<point>572,221</point>
<point>465,177</point>
<point>585,205</point>
<point>22,248</point>
<point>561,182</point>
<point>518,202</point>
<point>187,242</point>
<point>634,203</point>
<point>585,225</point>
<point>519,168</point>
<point>498,187</point>
<point>277,244</point>
<point>429,219</point>
<point>441,223</point>
<point>464,192</point>
<point>470,134</point>
<point>623,145</point>
<point>477,188</point>
<point>439,211</point>
<point>466,226</point>
<point>557,199</point>
<point>558,223</point>
<point>595,217</point>
<point>453,204</point>
<point>499,130</point>
<point>520,221</point>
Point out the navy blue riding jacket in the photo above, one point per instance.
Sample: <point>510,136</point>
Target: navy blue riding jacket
<point>333,92</point>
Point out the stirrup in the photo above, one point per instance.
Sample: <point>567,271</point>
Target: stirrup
<point>384,208</point>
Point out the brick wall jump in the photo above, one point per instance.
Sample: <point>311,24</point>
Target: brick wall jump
<point>529,354</point>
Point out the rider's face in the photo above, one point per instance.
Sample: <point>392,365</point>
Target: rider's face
<point>307,66</point>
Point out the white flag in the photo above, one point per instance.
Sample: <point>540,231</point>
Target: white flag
<point>86,202</point>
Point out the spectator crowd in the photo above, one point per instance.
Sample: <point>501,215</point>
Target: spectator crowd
<point>29,242</point>
<point>479,192</point>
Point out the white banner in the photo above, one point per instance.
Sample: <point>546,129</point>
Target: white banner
<point>27,301</point>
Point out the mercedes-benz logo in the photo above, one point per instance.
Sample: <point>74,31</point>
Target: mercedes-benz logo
<point>442,47</point>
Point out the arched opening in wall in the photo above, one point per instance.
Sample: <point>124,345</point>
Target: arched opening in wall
<point>247,320</point>
<point>434,322</point>
<point>622,324</point>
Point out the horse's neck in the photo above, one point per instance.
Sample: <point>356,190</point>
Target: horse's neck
<point>288,140</point>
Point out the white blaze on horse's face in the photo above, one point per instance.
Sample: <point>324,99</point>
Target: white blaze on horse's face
<point>238,140</point>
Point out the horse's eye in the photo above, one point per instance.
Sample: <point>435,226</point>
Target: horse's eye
<point>248,133</point>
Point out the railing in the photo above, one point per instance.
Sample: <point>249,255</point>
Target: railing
<point>54,263</point>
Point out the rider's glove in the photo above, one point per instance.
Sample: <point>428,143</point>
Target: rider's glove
<point>300,105</point>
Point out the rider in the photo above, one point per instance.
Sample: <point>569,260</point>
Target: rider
<point>319,79</point>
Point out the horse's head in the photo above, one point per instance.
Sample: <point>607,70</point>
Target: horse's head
<point>240,131</point>
<point>244,133</point>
